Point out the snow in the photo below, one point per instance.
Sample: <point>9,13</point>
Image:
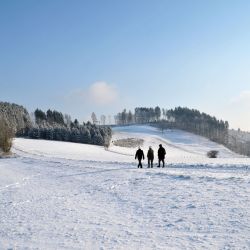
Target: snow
<point>59,195</point>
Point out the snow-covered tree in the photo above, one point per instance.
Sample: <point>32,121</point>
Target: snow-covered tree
<point>98,139</point>
<point>67,120</point>
<point>157,113</point>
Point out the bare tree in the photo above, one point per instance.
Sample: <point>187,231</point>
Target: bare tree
<point>93,117</point>
<point>103,119</point>
<point>109,119</point>
<point>6,136</point>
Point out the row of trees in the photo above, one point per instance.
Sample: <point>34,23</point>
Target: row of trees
<point>103,119</point>
<point>194,121</point>
<point>52,117</point>
<point>181,118</point>
<point>53,125</point>
<point>141,115</point>
<point>90,134</point>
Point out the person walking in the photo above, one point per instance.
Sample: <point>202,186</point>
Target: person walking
<point>150,156</point>
<point>139,155</point>
<point>161,156</point>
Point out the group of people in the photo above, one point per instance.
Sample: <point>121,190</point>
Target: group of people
<point>150,155</point>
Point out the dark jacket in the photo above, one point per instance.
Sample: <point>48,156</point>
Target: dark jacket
<point>150,154</point>
<point>161,153</point>
<point>139,154</point>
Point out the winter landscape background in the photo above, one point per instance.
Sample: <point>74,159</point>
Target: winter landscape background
<point>83,84</point>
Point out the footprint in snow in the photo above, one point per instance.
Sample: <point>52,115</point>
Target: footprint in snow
<point>191,206</point>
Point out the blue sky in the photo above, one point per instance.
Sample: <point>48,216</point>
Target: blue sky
<point>103,56</point>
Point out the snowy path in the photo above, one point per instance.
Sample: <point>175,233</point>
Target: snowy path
<point>50,202</point>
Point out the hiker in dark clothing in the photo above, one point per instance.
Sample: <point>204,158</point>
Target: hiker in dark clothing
<point>150,157</point>
<point>161,156</point>
<point>139,155</point>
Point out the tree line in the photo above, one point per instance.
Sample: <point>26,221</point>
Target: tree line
<point>50,125</point>
<point>199,123</point>
<point>53,125</point>
<point>190,120</point>
<point>141,115</point>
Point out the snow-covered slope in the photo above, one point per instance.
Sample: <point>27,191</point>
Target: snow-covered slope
<point>58,195</point>
<point>181,147</point>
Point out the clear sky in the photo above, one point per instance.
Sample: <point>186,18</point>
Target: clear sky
<point>103,56</point>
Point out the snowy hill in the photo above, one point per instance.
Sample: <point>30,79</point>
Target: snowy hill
<point>181,147</point>
<point>59,195</point>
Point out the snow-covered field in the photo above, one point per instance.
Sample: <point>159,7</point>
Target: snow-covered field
<point>58,195</point>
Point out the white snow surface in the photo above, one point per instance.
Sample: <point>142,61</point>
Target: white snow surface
<point>59,195</point>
